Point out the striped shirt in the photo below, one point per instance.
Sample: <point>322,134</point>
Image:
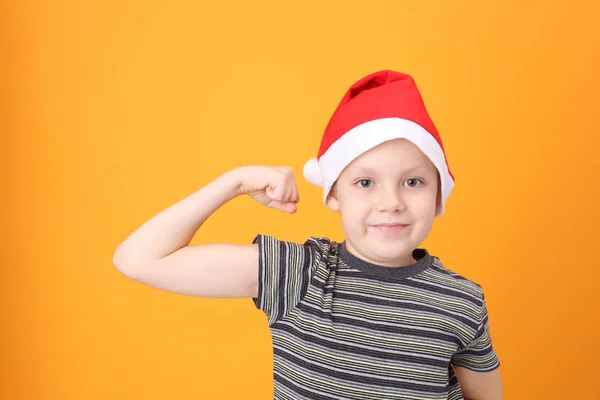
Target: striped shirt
<point>343,328</point>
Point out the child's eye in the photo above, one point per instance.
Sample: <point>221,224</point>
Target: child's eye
<point>364,183</point>
<point>413,182</point>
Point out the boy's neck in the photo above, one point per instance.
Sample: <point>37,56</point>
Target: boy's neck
<point>404,262</point>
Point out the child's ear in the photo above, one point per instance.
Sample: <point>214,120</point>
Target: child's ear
<point>332,200</point>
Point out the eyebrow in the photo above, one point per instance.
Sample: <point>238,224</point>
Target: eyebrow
<point>368,170</point>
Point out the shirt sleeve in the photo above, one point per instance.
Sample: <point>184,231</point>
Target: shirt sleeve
<point>478,355</point>
<point>284,273</point>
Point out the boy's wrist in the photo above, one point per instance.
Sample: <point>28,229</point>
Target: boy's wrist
<point>232,179</point>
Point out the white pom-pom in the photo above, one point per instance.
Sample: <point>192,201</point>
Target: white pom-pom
<point>312,172</point>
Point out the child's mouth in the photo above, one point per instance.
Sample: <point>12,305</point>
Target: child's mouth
<point>390,228</point>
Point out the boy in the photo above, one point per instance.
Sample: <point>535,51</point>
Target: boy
<point>373,317</point>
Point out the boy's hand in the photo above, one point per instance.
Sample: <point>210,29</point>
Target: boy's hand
<point>271,186</point>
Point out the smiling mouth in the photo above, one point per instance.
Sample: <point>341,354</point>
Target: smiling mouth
<point>390,228</point>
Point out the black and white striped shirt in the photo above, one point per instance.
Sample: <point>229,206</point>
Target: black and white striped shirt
<point>343,328</point>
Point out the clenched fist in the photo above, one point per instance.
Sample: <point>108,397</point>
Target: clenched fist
<point>271,186</point>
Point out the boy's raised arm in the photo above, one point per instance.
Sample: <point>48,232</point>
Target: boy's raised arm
<point>158,253</point>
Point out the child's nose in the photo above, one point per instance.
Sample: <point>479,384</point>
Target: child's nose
<point>390,201</point>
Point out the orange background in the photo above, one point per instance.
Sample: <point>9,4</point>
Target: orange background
<point>116,110</point>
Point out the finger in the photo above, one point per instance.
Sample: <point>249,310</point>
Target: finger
<point>289,183</point>
<point>286,207</point>
<point>289,193</point>
<point>280,192</point>
<point>269,192</point>
<point>290,188</point>
<point>274,193</point>
<point>295,194</point>
<point>289,208</point>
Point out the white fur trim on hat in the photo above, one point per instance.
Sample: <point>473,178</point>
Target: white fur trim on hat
<point>368,135</point>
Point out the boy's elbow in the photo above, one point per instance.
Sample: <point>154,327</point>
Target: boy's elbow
<point>123,265</point>
<point>121,268</point>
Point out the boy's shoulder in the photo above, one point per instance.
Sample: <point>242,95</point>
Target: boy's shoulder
<point>317,245</point>
<point>323,243</point>
<point>441,274</point>
<point>313,241</point>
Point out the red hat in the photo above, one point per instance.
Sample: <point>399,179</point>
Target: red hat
<point>382,106</point>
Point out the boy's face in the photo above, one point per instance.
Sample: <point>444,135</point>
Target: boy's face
<point>387,199</point>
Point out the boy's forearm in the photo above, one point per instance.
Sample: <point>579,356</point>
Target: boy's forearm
<point>174,227</point>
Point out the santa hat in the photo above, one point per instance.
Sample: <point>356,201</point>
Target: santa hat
<point>382,106</point>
